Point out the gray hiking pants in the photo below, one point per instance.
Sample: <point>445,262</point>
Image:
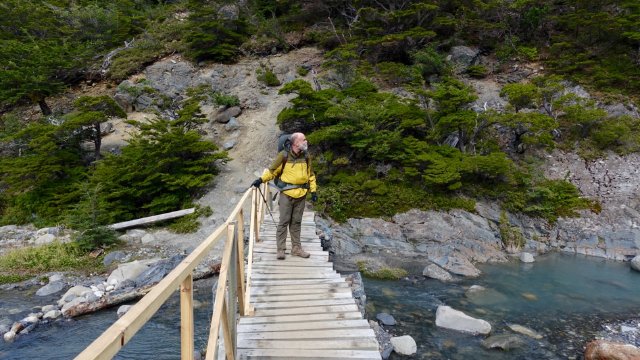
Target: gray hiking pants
<point>291,210</point>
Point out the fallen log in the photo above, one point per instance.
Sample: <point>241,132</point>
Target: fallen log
<point>151,219</point>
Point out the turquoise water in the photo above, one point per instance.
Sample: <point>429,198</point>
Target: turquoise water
<point>566,298</point>
<point>159,339</point>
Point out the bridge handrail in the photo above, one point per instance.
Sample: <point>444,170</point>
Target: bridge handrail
<point>228,296</point>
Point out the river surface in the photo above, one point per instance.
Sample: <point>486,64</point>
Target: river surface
<point>568,299</point>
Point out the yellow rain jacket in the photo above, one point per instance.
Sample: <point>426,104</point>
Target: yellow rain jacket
<point>295,172</point>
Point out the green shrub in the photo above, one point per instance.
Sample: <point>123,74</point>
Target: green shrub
<point>97,237</point>
<point>226,100</point>
<point>511,236</point>
<point>189,223</point>
<point>267,76</point>
<point>51,257</point>
<point>477,71</point>
<point>13,278</point>
<point>302,71</point>
<point>381,274</point>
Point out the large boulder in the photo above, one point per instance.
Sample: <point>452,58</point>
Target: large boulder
<point>404,345</point>
<point>635,263</point>
<point>602,349</point>
<point>450,318</point>
<point>436,272</point>
<point>129,271</point>
<point>51,288</point>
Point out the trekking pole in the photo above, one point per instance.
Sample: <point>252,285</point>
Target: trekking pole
<point>266,204</point>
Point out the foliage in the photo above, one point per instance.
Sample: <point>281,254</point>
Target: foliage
<point>163,166</point>
<point>511,236</point>
<point>97,237</point>
<point>381,274</point>
<point>477,71</point>
<point>267,76</point>
<point>51,257</point>
<point>189,223</point>
<point>12,278</point>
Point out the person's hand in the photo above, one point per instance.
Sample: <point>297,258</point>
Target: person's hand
<point>257,182</point>
<point>314,197</point>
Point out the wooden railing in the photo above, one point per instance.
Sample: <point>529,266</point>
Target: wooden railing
<point>232,294</point>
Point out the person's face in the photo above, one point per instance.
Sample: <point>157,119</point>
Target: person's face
<point>301,143</point>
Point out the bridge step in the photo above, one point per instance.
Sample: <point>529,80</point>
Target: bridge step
<point>303,308</point>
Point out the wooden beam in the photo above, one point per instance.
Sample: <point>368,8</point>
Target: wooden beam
<point>186,319</point>
<point>151,219</point>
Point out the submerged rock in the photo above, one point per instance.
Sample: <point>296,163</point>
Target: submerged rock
<point>635,263</point>
<point>386,319</point>
<point>449,318</point>
<point>525,331</point>
<point>436,272</point>
<point>503,341</point>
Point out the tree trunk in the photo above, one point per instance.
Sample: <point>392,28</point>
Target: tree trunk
<point>46,110</point>
<point>97,141</point>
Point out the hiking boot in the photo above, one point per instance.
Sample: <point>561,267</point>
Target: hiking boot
<point>297,251</point>
<point>280,255</point>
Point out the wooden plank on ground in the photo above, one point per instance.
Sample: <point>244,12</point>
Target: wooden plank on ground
<point>275,298</point>
<point>151,219</point>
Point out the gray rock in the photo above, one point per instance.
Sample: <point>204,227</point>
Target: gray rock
<point>463,56</point>
<point>386,319</point>
<point>148,238</point>
<point>228,145</point>
<point>56,277</point>
<point>158,271</point>
<point>525,331</point>
<point>45,239</point>
<point>526,257</point>
<point>225,116</point>
<point>114,256</point>
<point>73,293</point>
<point>51,288</point>
<point>123,310</point>
<point>55,231</point>
<point>449,318</point>
<point>9,336</point>
<point>171,77</point>
<point>53,314</point>
<point>47,308</point>
<point>232,125</point>
<point>503,341</point>
<point>129,271</point>
<point>635,263</point>
<point>404,345</point>
<point>72,303</point>
<point>436,272</point>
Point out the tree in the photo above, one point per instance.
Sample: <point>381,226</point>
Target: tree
<point>521,95</point>
<point>90,113</point>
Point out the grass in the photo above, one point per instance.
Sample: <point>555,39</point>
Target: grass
<point>51,257</point>
<point>382,273</point>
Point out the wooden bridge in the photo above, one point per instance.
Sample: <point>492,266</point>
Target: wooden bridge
<point>264,308</point>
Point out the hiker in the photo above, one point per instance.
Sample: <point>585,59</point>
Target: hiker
<point>292,173</point>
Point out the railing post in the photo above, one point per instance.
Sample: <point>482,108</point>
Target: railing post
<point>186,318</point>
<point>240,262</point>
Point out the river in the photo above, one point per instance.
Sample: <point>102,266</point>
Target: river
<point>568,299</point>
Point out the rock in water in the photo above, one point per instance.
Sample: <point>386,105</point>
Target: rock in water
<point>635,263</point>
<point>502,341</point>
<point>386,319</point>
<point>449,318</point>
<point>404,345</point>
<point>525,331</point>
<point>602,349</point>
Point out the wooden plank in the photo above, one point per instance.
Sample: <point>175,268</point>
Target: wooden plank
<point>276,282</point>
<point>301,318</point>
<point>309,334</point>
<point>312,275</point>
<point>312,354</point>
<point>307,310</point>
<point>306,263</point>
<point>275,298</point>
<point>186,318</point>
<point>346,344</point>
<point>310,303</point>
<point>308,325</point>
<point>281,290</point>
<point>151,219</point>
